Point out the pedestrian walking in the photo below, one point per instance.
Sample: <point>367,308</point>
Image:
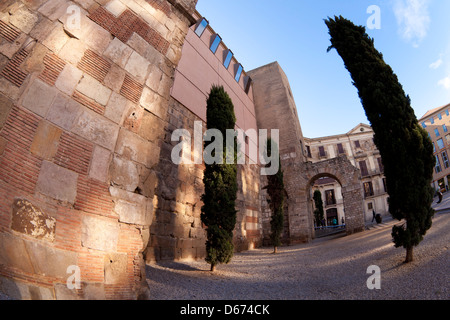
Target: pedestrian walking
<point>440,196</point>
<point>374,215</point>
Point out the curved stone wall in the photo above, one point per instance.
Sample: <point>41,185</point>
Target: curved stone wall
<point>84,87</point>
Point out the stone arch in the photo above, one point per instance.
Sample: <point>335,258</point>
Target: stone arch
<point>349,177</point>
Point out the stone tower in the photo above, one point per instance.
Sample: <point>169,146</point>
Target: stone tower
<point>276,109</point>
<point>84,91</point>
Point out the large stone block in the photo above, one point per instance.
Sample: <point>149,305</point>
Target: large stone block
<point>97,129</point>
<point>124,173</point>
<point>68,79</point>
<point>101,159</point>
<point>154,103</point>
<point>132,208</point>
<point>117,107</point>
<point>137,66</point>
<point>5,107</point>
<point>118,52</point>
<point>23,19</point>
<point>99,233</point>
<point>13,253</point>
<point>133,147</point>
<point>64,111</point>
<point>94,89</point>
<point>57,182</point>
<point>39,97</point>
<point>115,268</point>
<point>50,261</point>
<point>152,127</point>
<point>46,140</point>
<point>31,220</point>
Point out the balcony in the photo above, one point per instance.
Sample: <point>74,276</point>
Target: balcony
<point>372,172</point>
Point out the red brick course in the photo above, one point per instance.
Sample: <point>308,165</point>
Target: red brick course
<point>20,168</point>
<point>53,68</point>
<point>74,154</point>
<point>94,197</point>
<point>12,71</point>
<point>94,65</point>
<point>126,24</point>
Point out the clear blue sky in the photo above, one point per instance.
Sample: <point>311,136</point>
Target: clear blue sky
<point>414,37</point>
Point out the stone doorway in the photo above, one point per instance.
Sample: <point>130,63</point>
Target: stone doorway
<point>301,216</point>
<point>349,179</point>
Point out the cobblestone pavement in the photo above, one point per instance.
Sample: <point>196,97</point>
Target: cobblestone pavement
<point>327,268</point>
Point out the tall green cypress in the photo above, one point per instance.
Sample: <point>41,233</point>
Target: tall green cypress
<point>405,147</point>
<point>276,192</point>
<point>318,213</point>
<point>220,181</point>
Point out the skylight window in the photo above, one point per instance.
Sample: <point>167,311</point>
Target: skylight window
<point>215,44</point>
<point>201,27</point>
<point>227,61</point>
<point>238,73</point>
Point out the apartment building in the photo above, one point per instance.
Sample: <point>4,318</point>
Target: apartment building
<point>437,124</point>
<point>359,148</point>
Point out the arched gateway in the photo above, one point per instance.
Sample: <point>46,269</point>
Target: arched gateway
<point>299,178</point>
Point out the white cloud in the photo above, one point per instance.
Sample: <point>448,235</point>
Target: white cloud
<point>413,19</point>
<point>436,64</point>
<point>445,83</point>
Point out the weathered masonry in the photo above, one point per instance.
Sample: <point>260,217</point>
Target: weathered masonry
<point>84,97</point>
<point>90,94</point>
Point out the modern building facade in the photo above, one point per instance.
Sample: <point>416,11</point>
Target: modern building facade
<point>437,124</point>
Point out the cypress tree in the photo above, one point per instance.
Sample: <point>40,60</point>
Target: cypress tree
<point>318,213</point>
<point>220,181</point>
<point>276,192</point>
<point>405,147</point>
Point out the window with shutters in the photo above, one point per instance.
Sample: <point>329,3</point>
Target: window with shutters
<point>363,168</point>
<point>340,148</point>
<point>322,152</point>
<point>368,189</point>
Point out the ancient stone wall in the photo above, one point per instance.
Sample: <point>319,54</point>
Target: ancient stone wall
<point>275,109</point>
<point>177,232</point>
<point>84,98</point>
